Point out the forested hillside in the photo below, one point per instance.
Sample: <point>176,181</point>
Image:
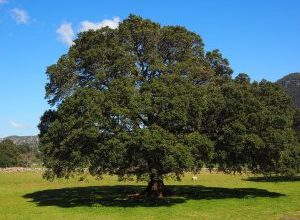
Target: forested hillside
<point>291,83</point>
<point>21,140</point>
<point>19,151</point>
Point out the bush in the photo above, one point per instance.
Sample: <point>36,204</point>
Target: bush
<point>9,154</point>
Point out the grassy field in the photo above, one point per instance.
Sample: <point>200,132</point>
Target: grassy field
<point>212,196</point>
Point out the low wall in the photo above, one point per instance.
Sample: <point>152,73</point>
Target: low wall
<point>20,169</point>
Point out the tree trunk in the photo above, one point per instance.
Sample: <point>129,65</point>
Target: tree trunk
<point>155,188</point>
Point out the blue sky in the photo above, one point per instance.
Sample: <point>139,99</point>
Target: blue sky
<point>261,38</point>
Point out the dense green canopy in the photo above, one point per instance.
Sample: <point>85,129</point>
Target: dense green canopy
<point>146,100</point>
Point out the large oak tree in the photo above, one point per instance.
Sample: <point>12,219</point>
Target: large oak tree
<point>146,100</point>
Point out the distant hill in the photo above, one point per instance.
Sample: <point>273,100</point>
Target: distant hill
<point>291,83</point>
<point>21,140</point>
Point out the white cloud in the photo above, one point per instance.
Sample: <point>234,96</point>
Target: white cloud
<point>2,1</point>
<point>65,33</point>
<point>17,125</point>
<point>21,16</point>
<point>88,25</point>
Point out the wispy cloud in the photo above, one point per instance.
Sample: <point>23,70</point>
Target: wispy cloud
<point>88,25</point>
<point>65,33</point>
<point>20,15</point>
<point>17,125</point>
<point>2,1</point>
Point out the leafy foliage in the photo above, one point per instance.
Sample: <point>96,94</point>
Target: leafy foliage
<point>9,155</point>
<point>253,129</point>
<point>147,101</point>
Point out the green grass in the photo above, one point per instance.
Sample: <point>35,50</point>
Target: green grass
<point>212,196</point>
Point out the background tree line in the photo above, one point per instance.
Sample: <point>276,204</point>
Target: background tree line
<point>12,155</point>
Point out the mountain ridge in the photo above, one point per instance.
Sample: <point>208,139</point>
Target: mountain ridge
<point>32,140</point>
<point>291,84</point>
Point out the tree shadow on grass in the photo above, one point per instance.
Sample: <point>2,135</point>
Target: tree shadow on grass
<point>273,179</point>
<point>119,196</point>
